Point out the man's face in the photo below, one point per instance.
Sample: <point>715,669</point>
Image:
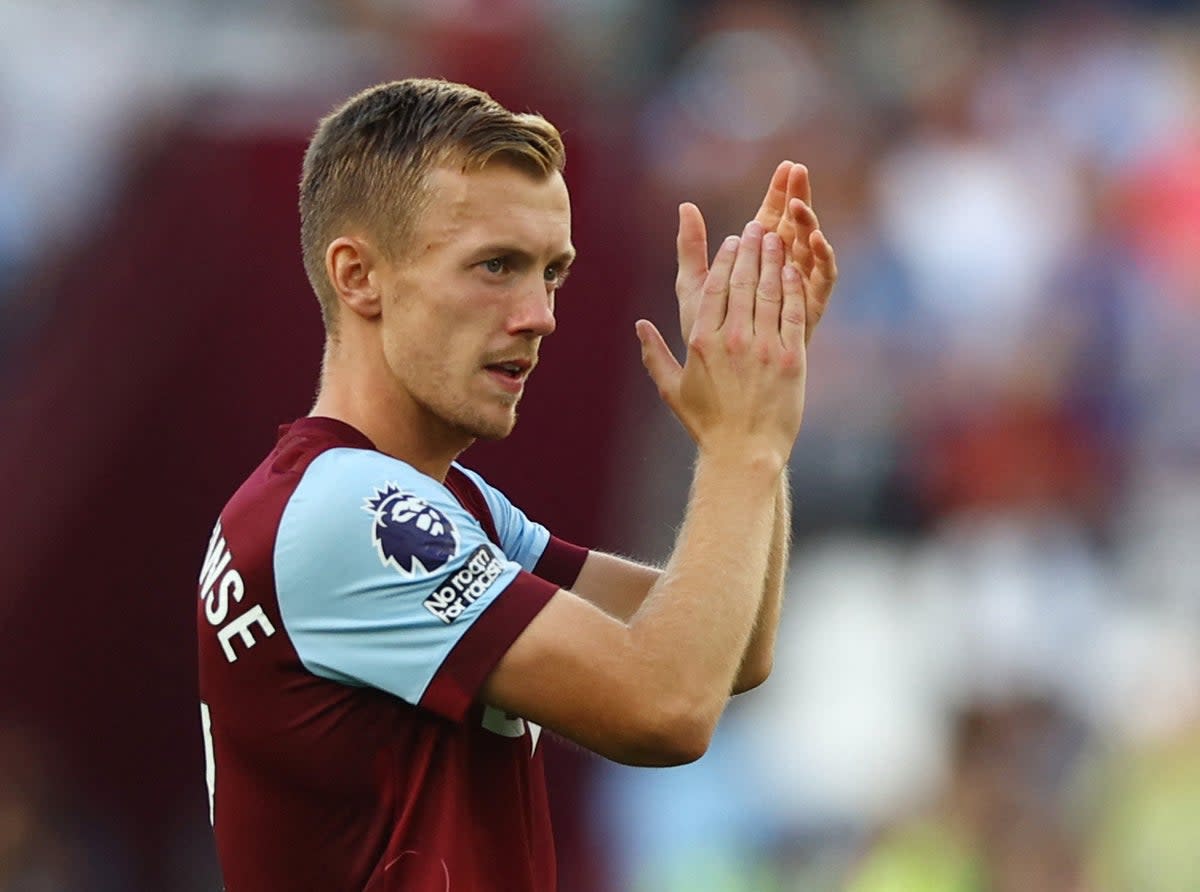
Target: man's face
<point>466,308</point>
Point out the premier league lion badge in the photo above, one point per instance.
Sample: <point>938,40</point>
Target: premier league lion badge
<point>410,534</point>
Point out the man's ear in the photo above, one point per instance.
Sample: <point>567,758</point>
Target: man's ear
<point>352,265</point>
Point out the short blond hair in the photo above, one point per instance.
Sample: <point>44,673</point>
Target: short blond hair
<point>368,162</point>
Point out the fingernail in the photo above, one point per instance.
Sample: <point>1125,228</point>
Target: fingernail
<point>730,243</point>
<point>790,273</point>
<point>772,242</point>
<point>753,229</point>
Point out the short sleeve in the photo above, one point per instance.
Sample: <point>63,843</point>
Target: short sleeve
<point>527,542</point>
<point>522,539</point>
<point>385,580</point>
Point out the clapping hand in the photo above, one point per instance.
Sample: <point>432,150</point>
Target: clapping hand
<point>786,210</point>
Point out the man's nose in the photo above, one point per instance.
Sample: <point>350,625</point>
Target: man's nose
<point>534,314</point>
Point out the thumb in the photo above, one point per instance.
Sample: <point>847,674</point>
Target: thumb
<point>663,367</point>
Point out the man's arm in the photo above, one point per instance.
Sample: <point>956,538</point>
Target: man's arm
<point>787,210</point>
<point>759,657</point>
<point>618,585</point>
<point>650,690</point>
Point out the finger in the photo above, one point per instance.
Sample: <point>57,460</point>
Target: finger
<point>820,282</point>
<point>692,250</point>
<point>662,365</point>
<point>743,282</point>
<point>800,216</point>
<point>768,299</point>
<point>799,184</point>
<point>825,271</point>
<point>714,296</point>
<point>774,203</point>
<point>792,318</point>
<point>805,222</point>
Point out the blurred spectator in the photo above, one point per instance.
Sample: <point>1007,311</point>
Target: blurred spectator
<point>978,224</point>
<point>1139,798</point>
<point>76,77</point>
<point>995,826</point>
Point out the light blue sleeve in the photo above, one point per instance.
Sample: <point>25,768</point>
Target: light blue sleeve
<point>379,571</point>
<point>522,539</point>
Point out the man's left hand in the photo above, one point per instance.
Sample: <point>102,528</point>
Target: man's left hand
<point>787,210</point>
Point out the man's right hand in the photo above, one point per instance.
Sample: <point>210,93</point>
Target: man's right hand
<point>741,388</point>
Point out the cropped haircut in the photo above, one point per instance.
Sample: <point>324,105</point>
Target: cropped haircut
<point>368,162</point>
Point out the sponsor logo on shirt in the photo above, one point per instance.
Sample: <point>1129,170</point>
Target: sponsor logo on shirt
<point>460,591</point>
<point>409,534</point>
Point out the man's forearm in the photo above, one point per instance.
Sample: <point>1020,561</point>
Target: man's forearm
<point>760,651</point>
<point>619,587</point>
<point>699,616</point>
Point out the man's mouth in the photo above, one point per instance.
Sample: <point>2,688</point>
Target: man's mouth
<point>510,374</point>
<point>515,369</point>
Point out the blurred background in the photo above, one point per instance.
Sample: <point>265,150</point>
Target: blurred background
<point>988,672</point>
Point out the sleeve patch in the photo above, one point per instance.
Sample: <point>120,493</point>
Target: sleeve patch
<point>480,572</point>
<point>410,535</point>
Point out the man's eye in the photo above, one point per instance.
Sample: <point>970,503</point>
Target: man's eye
<point>496,265</point>
<point>555,274</point>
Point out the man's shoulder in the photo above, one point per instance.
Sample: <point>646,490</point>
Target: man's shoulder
<point>317,452</point>
<point>305,454</point>
<point>349,498</point>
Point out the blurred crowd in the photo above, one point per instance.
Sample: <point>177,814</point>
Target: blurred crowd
<point>988,674</point>
<point>989,669</point>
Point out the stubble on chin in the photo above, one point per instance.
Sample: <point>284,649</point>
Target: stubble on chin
<point>462,416</point>
<point>480,428</point>
<point>470,422</point>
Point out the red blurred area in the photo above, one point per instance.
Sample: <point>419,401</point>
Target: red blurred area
<point>180,338</point>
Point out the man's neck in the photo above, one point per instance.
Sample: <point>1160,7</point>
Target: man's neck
<point>393,422</point>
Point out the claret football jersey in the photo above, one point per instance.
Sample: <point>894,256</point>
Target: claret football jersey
<point>350,607</point>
